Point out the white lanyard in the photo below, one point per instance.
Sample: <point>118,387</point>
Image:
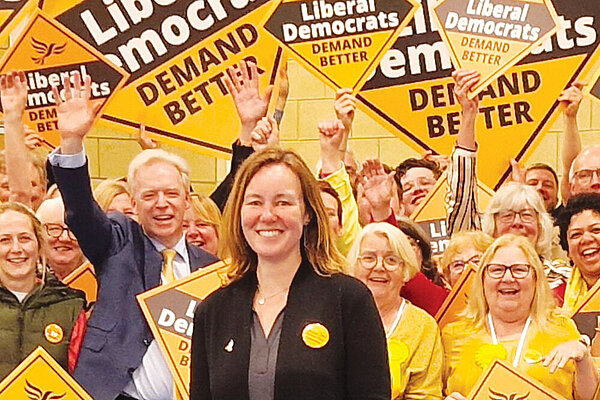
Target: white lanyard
<point>397,320</point>
<point>517,358</point>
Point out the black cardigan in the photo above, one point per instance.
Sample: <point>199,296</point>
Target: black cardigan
<point>352,365</point>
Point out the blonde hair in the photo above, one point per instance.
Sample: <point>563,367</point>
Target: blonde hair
<point>398,242</point>
<point>36,225</point>
<point>516,196</point>
<point>460,241</point>
<point>152,156</point>
<point>206,210</point>
<point>107,190</point>
<point>543,305</point>
<point>318,244</point>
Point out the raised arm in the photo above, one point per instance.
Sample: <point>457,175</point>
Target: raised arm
<point>13,94</point>
<point>251,106</point>
<point>89,223</point>
<point>461,201</point>
<point>570,100</point>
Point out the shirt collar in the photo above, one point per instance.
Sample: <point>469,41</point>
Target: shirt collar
<point>180,247</point>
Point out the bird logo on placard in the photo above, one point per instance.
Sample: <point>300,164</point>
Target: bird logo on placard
<point>35,393</point>
<point>45,50</point>
<point>501,396</point>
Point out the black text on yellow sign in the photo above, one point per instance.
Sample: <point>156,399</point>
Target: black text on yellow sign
<point>515,110</point>
<point>169,310</point>
<point>40,377</point>
<point>339,41</point>
<point>48,53</point>
<point>490,36</point>
<point>177,53</point>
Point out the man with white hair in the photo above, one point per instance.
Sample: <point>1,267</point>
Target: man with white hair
<point>63,253</point>
<point>584,175</point>
<point>119,358</point>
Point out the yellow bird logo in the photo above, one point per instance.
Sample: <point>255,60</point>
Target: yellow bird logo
<point>35,393</point>
<point>501,396</point>
<point>45,50</point>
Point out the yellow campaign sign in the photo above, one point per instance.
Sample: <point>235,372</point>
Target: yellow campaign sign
<point>47,52</point>
<point>593,88</point>
<point>431,213</point>
<point>40,377</point>
<point>587,315</point>
<point>339,41</point>
<point>169,310</point>
<point>516,110</point>
<point>501,381</point>
<point>490,36</point>
<point>177,53</point>
<point>458,298</point>
<point>84,278</point>
<point>12,14</point>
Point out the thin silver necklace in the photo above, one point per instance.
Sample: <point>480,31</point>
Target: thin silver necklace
<point>262,298</point>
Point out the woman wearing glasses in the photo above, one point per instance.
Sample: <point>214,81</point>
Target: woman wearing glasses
<point>511,316</point>
<point>463,248</point>
<point>384,260</point>
<point>35,309</point>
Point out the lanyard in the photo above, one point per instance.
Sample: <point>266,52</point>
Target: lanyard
<point>517,358</point>
<point>398,316</point>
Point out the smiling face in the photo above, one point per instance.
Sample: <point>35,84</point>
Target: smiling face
<point>200,233</point>
<point>467,254</point>
<point>543,181</point>
<point>273,213</point>
<point>583,237</point>
<point>384,285</point>
<point>63,252</point>
<point>416,183</point>
<point>122,203</point>
<point>160,200</point>
<point>522,222</point>
<point>19,248</point>
<point>508,298</point>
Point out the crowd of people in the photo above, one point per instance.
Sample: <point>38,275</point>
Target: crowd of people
<point>332,289</point>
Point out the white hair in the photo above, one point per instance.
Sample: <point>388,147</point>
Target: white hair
<point>516,196</point>
<point>152,156</point>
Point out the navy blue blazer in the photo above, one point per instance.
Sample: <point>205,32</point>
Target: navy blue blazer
<point>352,365</point>
<point>126,264</point>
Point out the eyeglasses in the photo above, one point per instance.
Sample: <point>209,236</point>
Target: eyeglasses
<point>584,176</point>
<point>55,230</point>
<point>497,271</point>
<point>526,215</point>
<point>458,266</point>
<point>391,263</point>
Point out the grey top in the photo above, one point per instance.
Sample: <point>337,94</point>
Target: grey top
<point>263,359</point>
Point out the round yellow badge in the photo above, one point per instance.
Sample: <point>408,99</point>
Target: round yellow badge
<point>398,351</point>
<point>315,335</point>
<point>489,352</point>
<point>533,357</point>
<point>53,333</point>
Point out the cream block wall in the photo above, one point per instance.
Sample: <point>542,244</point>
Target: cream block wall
<point>309,102</point>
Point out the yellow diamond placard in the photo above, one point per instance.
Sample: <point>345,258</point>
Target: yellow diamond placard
<point>339,41</point>
<point>502,382</point>
<point>84,278</point>
<point>431,213</point>
<point>457,299</point>
<point>490,36</point>
<point>40,377</point>
<point>587,314</point>
<point>169,310</point>
<point>177,53</point>
<point>411,90</point>
<point>46,51</point>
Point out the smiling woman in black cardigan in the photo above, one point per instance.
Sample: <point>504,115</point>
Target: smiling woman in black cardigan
<point>290,325</point>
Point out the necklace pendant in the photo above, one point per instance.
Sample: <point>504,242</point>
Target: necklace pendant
<point>261,301</point>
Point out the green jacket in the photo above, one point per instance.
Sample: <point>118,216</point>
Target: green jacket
<point>45,318</point>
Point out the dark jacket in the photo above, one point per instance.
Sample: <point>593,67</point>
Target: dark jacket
<point>126,264</point>
<point>352,365</point>
<point>45,318</point>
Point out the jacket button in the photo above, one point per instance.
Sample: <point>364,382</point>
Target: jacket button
<point>147,342</point>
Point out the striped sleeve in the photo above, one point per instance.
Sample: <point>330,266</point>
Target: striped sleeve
<point>461,199</point>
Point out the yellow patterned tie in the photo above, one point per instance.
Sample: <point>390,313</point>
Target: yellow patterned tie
<point>167,270</point>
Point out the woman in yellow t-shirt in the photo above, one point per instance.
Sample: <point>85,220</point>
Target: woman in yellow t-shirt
<point>511,316</point>
<point>384,260</point>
